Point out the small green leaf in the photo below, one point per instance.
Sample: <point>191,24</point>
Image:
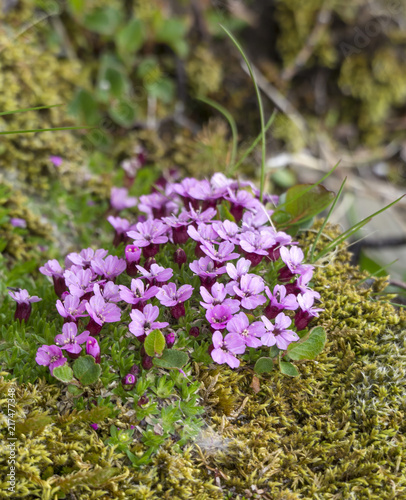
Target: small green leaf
<point>63,373</point>
<point>131,37</point>
<point>172,358</point>
<point>154,344</point>
<point>86,370</point>
<point>288,369</point>
<point>302,204</point>
<point>103,20</point>
<point>273,351</point>
<point>310,346</point>
<point>75,390</point>
<point>263,365</point>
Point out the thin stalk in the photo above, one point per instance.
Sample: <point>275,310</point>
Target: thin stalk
<point>42,130</point>
<point>326,219</point>
<point>352,230</point>
<point>29,109</point>
<point>255,142</point>
<point>227,115</point>
<point>261,111</point>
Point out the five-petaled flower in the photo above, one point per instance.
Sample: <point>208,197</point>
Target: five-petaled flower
<point>224,352</point>
<point>51,356</point>
<point>278,333</point>
<point>24,301</point>
<point>70,340</point>
<point>144,322</point>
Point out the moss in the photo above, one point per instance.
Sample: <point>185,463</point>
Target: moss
<point>32,75</point>
<point>337,431</point>
<point>21,244</point>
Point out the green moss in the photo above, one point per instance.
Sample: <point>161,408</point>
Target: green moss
<point>337,431</point>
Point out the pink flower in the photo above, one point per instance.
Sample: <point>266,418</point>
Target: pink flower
<point>218,296</point>
<point>223,352</point>
<point>70,340</point>
<point>144,322</point>
<point>219,316</point>
<point>109,291</point>
<point>156,274</point>
<point>138,293</point>
<point>51,356</point>
<point>109,268</point>
<point>93,349</point>
<point>24,301</point>
<point>222,254</point>
<point>71,308</point>
<point>102,312</point>
<point>119,199</point>
<point>17,222</point>
<point>249,290</point>
<point>278,334</point>
<point>279,300</point>
<point>79,281</point>
<point>240,330</point>
<point>84,258</point>
<point>170,297</point>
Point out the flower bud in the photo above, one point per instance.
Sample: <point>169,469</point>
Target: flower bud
<point>132,257</point>
<point>135,370</point>
<point>93,348</point>
<point>170,339</point>
<point>144,400</point>
<point>180,257</point>
<point>194,331</point>
<point>180,235</point>
<point>148,263</point>
<point>128,382</point>
<point>147,362</point>
<point>178,311</point>
<point>94,426</point>
<point>93,327</point>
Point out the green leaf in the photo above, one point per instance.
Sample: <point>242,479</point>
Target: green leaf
<point>86,370</point>
<point>288,369</point>
<point>154,344</point>
<point>310,346</point>
<point>63,373</point>
<point>302,204</point>
<point>85,106</point>
<point>29,109</point>
<point>103,20</point>
<point>172,358</point>
<point>273,351</point>
<point>171,31</point>
<point>263,365</point>
<point>131,37</point>
<point>75,390</point>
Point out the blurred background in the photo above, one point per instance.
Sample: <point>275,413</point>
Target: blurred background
<point>334,71</point>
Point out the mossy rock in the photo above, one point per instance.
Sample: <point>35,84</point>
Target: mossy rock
<point>337,431</point>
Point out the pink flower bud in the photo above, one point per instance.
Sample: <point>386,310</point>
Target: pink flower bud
<point>180,257</point>
<point>128,382</point>
<point>147,362</point>
<point>194,331</point>
<point>170,339</point>
<point>93,348</point>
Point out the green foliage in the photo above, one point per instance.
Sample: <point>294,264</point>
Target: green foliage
<point>309,346</point>
<point>288,369</point>
<point>263,365</point>
<point>154,343</point>
<point>172,358</point>
<point>63,373</point>
<point>301,204</point>
<point>86,370</point>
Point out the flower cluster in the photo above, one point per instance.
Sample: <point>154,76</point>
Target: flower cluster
<point>254,289</point>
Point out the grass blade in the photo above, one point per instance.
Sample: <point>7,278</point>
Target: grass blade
<point>43,130</point>
<point>261,111</point>
<point>326,219</point>
<point>227,115</point>
<point>29,109</point>
<point>255,142</point>
<point>352,230</point>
